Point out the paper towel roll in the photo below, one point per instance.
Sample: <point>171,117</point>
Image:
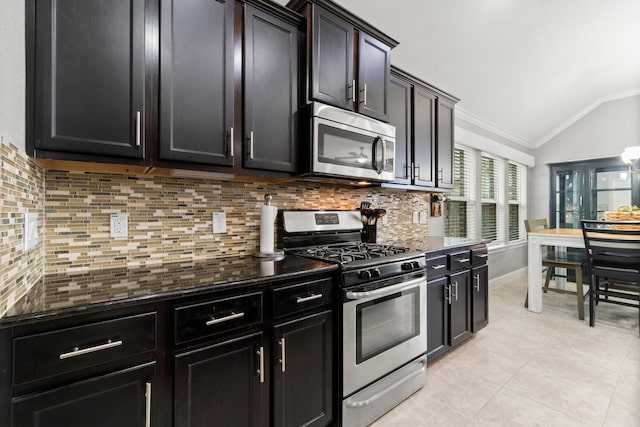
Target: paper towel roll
<point>267,220</point>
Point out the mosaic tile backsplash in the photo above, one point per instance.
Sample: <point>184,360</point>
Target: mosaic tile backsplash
<point>21,191</point>
<point>170,219</point>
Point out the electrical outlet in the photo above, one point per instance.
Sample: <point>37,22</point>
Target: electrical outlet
<point>385,220</point>
<point>415,218</point>
<point>423,217</point>
<point>30,231</point>
<point>219,222</point>
<point>119,226</point>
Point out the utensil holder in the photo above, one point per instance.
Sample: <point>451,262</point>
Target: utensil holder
<point>368,234</point>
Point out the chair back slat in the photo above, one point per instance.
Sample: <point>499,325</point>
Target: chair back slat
<point>613,247</point>
<point>535,224</point>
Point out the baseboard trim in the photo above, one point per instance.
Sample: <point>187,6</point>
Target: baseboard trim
<point>506,278</point>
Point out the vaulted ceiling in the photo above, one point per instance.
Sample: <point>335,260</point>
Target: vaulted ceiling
<point>525,69</point>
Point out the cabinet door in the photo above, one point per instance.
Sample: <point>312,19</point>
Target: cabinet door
<point>459,310</point>
<point>222,385</point>
<point>445,143</point>
<point>89,77</point>
<point>271,92</point>
<point>332,76</point>
<point>424,115</point>
<point>374,67</point>
<point>122,399</point>
<point>303,372</point>
<point>479,298</point>
<point>437,317</point>
<point>400,117</point>
<point>196,81</point>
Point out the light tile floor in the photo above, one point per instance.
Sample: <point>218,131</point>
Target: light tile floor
<point>528,369</point>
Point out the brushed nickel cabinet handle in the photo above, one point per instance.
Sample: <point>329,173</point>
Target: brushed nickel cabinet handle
<point>79,352</point>
<point>364,97</point>
<point>282,353</point>
<point>477,285</point>
<point>447,290</point>
<point>232,316</point>
<point>231,141</point>
<point>251,145</point>
<point>417,175</point>
<point>147,407</point>
<point>353,90</point>
<point>462,260</point>
<point>483,255</point>
<point>413,169</point>
<point>438,267</point>
<point>138,127</point>
<point>300,300</point>
<point>456,285</point>
<point>440,174</point>
<point>261,367</point>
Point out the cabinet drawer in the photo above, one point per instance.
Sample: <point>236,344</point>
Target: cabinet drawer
<point>216,316</point>
<point>302,296</point>
<point>58,352</point>
<point>459,260</point>
<point>479,256</point>
<point>436,267</point>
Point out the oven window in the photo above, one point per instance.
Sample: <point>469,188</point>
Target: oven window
<point>352,149</point>
<point>386,322</point>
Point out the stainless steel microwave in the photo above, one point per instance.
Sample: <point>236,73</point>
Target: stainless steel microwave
<point>345,144</point>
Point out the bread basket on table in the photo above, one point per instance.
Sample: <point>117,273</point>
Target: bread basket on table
<point>624,213</point>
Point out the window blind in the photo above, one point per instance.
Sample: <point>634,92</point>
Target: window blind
<point>459,210</point>
<point>491,174</point>
<point>516,178</point>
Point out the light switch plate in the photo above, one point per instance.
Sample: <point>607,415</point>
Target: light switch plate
<point>119,225</point>
<point>415,218</point>
<point>30,231</point>
<point>219,222</point>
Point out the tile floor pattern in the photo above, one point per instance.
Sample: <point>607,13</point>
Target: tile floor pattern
<point>527,369</point>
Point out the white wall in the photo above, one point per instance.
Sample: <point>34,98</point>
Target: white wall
<point>12,72</point>
<point>604,132</point>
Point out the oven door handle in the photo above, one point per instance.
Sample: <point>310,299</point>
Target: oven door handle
<point>387,290</point>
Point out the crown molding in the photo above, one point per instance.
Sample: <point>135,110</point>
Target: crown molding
<point>474,119</point>
<point>573,119</point>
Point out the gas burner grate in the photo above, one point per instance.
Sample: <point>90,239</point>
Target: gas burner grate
<point>345,253</point>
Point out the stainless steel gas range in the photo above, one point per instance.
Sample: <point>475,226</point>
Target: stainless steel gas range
<point>383,291</point>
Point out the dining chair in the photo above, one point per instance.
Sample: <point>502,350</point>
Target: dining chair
<point>552,260</point>
<point>613,262</point>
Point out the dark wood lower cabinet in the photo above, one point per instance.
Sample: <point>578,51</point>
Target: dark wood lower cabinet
<point>303,371</point>
<point>222,385</point>
<point>437,317</point>
<point>459,313</point>
<point>117,399</point>
<point>479,298</point>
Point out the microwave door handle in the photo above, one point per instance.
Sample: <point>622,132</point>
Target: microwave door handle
<point>378,168</point>
<point>384,152</point>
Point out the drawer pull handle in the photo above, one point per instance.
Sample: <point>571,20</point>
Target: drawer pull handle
<point>300,300</point>
<point>482,255</point>
<point>79,352</point>
<point>461,260</point>
<point>438,267</point>
<point>477,285</point>
<point>232,316</point>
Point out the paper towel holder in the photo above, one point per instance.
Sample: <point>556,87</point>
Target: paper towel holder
<point>276,255</point>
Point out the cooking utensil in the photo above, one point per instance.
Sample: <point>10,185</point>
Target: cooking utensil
<point>365,205</point>
<point>378,213</point>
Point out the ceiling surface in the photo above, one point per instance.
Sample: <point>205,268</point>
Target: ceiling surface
<point>524,69</point>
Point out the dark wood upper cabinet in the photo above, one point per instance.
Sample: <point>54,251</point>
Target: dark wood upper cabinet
<point>332,76</point>
<point>348,60</point>
<point>197,81</point>
<point>445,143</point>
<point>271,70</point>
<point>374,67</point>
<point>86,77</point>
<point>424,115</point>
<point>400,113</point>
<point>424,119</point>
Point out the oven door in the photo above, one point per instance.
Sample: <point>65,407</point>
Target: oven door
<point>382,330</point>
<point>344,150</point>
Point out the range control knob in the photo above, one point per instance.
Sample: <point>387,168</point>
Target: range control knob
<point>415,265</point>
<point>375,273</point>
<point>364,275</point>
<point>408,266</point>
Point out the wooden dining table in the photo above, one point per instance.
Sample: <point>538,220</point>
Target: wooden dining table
<point>559,237</point>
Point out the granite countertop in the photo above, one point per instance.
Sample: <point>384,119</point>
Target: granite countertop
<point>73,292</point>
<point>435,243</point>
